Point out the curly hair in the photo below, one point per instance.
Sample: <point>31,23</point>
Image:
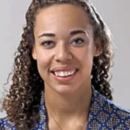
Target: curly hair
<point>22,103</point>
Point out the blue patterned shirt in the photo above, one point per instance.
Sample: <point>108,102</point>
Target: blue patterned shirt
<point>103,115</point>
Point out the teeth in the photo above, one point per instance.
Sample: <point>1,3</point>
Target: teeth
<point>56,73</point>
<point>64,73</point>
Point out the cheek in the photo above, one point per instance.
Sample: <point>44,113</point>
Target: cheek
<point>43,57</point>
<point>85,58</point>
<point>43,63</point>
<point>84,55</point>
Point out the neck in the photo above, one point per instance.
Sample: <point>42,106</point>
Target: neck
<point>70,106</point>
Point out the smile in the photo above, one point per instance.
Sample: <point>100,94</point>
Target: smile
<point>64,73</point>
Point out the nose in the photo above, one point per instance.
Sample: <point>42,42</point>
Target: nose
<point>63,53</point>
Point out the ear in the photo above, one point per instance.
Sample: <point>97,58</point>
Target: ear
<point>98,49</point>
<point>34,53</point>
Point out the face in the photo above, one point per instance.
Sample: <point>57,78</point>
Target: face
<point>64,48</point>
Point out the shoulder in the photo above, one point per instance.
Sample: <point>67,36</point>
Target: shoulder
<point>119,112</point>
<point>112,107</point>
<point>118,117</point>
<point>5,125</point>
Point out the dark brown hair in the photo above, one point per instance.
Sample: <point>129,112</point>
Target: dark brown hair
<point>23,100</point>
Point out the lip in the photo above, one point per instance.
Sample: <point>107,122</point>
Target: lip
<point>64,79</point>
<point>64,68</point>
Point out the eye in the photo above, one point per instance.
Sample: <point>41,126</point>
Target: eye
<point>78,41</point>
<point>48,44</point>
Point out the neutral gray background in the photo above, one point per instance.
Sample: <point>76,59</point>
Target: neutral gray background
<point>114,12</point>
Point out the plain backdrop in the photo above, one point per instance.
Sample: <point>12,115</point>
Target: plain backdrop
<point>114,12</point>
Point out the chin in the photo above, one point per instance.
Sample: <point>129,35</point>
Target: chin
<point>65,89</point>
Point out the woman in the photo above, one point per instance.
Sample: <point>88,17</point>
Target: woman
<point>61,71</point>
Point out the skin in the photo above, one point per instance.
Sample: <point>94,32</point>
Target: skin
<point>65,52</point>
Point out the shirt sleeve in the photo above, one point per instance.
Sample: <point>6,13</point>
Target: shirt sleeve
<point>1,124</point>
<point>5,125</point>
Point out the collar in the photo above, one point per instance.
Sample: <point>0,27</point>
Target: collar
<point>96,111</point>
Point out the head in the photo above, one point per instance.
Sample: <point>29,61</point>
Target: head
<point>83,43</point>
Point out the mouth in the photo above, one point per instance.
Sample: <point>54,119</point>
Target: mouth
<point>64,73</point>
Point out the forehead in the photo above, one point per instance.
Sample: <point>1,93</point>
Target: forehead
<point>61,17</point>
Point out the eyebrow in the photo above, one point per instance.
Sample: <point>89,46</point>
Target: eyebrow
<point>71,33</point>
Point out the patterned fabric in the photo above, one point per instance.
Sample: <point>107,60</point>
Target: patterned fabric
<point>103,115</point>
